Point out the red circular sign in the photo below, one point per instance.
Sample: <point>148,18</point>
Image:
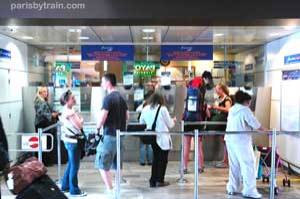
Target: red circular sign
<point>33,142</point>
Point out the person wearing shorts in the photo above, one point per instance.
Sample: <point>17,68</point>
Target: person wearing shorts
<point>113,116</point>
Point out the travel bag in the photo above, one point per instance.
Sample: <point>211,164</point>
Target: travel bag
<point>42,188</point>
<point>22,175</point>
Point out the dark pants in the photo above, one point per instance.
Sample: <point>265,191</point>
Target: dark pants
<point>159,164</point>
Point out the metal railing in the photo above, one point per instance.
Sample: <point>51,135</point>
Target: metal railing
<point>196,133</point>
<point>58,138</point>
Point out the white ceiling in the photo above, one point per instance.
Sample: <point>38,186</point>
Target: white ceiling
<point>54,38</point>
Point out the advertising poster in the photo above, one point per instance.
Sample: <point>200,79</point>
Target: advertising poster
<point>186,52</point>
<point>107,52</point>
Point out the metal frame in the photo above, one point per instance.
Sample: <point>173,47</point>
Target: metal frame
<point>196,133</point>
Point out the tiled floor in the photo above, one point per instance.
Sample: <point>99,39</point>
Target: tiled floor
<point>211,184</point>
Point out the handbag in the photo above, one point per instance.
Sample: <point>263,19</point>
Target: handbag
<point>24,174</point>
<point>151,139</point>
<point>81,141</point>
<point>93,139</point>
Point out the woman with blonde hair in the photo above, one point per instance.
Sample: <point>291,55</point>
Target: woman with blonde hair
<point>219,113</point>
<point>44,116</point>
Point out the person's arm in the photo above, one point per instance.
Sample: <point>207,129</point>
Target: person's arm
<point>252,121</point>
<point>223,109</point>
<point>104,113</point>
<point>75,119</point>
<point>167,118</point>
<point>103,117</point>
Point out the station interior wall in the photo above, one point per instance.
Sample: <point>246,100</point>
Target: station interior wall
<point>275,53</point>
<point>15,74</point>
<point>23,69</point>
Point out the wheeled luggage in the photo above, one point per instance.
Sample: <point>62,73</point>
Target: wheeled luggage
<point>42,188</point>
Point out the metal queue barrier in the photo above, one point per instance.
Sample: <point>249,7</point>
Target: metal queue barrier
<point>192,126</point>
<point>58,125</point>
<point>196,133</point>
<point>35,146</point>
<point>58,137</point>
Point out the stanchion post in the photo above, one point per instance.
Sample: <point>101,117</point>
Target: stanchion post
<point>40,149</point>
<point>58,138</point>
<point>182,180</point>
<point>196,164</point>
<point>273,159</point>
<point>118,176</point>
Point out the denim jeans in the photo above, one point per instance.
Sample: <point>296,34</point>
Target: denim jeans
<point>146,153</point>
<point>70,179</point>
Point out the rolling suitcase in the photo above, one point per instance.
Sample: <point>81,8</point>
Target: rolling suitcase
<point>42,188</point>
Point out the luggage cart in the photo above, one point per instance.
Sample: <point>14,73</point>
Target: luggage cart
<point>265,159</point>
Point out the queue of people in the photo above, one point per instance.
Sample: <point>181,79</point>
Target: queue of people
<point>114,115</point>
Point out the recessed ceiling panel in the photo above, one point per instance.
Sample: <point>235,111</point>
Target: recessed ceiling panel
<point>113,34</point>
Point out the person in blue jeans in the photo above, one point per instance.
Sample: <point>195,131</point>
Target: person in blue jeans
<point>71,135</point>
<point>70,179</point>
<point>146,154</point>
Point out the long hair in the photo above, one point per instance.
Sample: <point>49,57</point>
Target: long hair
<point>156,99</point>
<point>38,95</point>
<point>224,88</point>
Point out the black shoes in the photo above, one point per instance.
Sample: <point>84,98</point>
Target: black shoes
<point>159,184</point>
<point>143,164</point>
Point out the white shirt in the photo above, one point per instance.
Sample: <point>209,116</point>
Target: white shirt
<point>67,125</point>
<point>163,124</point>
<point>240,118</point>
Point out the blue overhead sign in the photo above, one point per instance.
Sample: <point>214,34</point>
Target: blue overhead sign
<point>5,54</point>
<point>291,75</point>
<point>186,52</point>
<point>107,52</point>
<point>292,59</point>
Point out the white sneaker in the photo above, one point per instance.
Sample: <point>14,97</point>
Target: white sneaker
<point>253,195</point>
<point>110,193</point>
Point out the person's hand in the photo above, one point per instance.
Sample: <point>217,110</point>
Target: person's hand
<point>174,119</point>
<point>209,106</point>
<point>55,114</point>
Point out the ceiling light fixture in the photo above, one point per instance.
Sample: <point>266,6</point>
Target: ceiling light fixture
<point>83,38</point>
<point>27,37</point>
<point>218,34</point>
<point>148,30</point>
<point>148,38</point>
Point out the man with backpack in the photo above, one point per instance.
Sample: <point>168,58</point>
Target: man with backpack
<point>195,110</point>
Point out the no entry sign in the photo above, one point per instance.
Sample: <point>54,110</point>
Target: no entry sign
<point>30,142</point>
